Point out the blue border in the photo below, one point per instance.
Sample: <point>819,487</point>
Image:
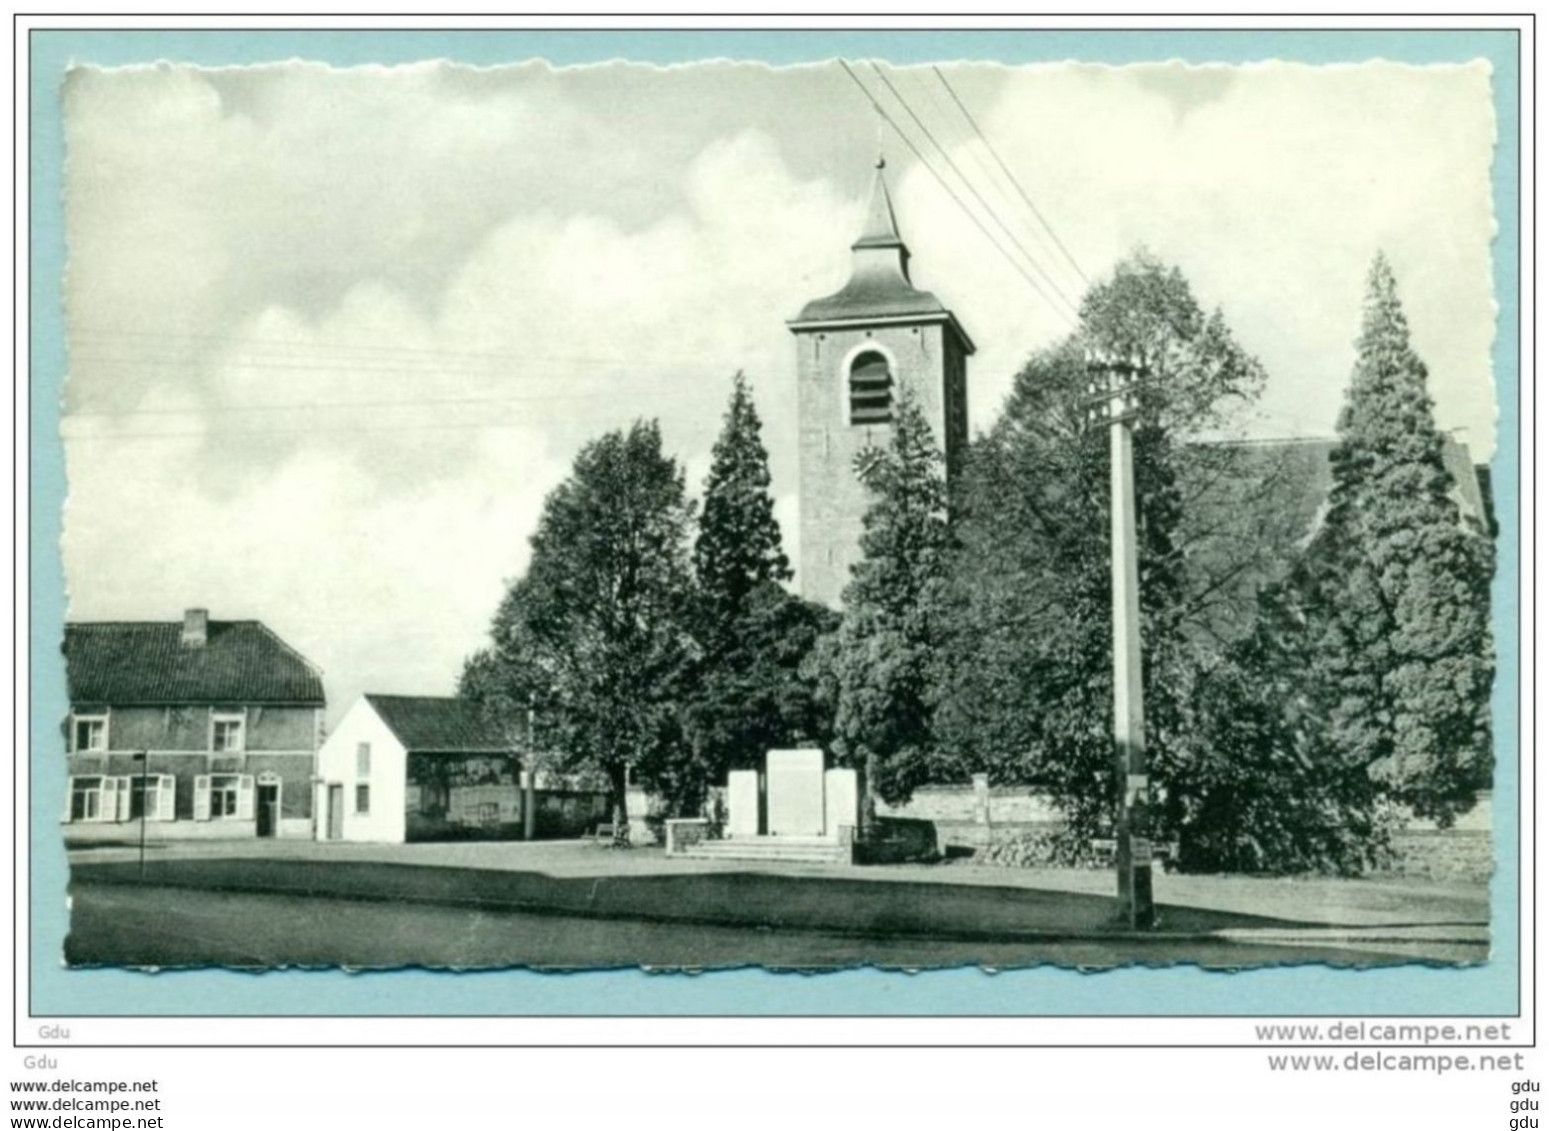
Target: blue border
<point>1487,990</point>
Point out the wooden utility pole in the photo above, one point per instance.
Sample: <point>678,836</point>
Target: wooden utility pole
<point>1114,392</point>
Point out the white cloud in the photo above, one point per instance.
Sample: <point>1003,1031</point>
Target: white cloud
<point>371,475</point>
<point>336,334</point>
<point>1272,186</point>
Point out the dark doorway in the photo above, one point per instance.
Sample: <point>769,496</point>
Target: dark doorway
<point>268,808</point>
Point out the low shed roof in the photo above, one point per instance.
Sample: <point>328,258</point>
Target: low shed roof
<point>438,724</point>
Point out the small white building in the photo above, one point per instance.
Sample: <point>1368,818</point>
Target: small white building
<point>400,768</point>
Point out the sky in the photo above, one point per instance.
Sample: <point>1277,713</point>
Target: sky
<point>335,334</point>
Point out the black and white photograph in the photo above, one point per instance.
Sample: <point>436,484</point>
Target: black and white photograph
<point>849,514</point>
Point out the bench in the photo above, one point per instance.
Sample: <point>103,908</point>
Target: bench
<point>616,836</point>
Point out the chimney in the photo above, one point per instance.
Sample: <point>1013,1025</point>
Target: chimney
<point>196,627</point>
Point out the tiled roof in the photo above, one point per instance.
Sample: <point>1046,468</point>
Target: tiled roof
<point>438,725</point>
<point>147,663</point>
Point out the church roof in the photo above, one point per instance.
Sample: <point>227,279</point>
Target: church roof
<point>879,286</point>
<point>1287,483</point>
<point>872,296</point>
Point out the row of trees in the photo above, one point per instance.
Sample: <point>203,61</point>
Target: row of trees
<point>1307,663</point>
<point>646,640</point>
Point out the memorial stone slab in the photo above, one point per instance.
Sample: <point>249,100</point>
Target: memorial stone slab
<point>981,784</point>
<point>841,802</point>
<point>742,803</point>
<point>795,786</point>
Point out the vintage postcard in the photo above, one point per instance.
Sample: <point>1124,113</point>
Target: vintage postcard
<point>894,512</point>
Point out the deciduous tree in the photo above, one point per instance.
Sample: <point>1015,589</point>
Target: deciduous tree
<point>597,630</point>
<point>1026,679</point>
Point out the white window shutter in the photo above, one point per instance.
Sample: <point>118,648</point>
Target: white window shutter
<point>166,797</point>
<point>245,797</point>
<point>125,789</point>
<point>202,797</point>
<point>107,800</point>
<point>69,797</point>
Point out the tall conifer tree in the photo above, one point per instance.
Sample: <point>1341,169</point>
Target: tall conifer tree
<point>743,692</point>
<point>883,657</point>
<point>1398,599</point>
<point>738,547</point>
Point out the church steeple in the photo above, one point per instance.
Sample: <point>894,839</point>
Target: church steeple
<point>881,230</point>
<point>859,350</point>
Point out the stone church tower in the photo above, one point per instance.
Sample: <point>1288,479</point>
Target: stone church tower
<point>856,350</point>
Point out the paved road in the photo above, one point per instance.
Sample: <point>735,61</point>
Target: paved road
<point>126,925</point>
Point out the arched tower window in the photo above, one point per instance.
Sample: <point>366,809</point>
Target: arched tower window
<point>871,389</point>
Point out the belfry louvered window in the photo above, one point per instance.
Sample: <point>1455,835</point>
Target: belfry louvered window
<point>871,389</point>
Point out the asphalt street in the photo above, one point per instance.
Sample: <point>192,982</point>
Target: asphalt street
<point>126,925</point>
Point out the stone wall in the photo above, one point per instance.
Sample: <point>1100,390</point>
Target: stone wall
<point>971,817</point>
<point>976,815</point>
<point>1460,855</point>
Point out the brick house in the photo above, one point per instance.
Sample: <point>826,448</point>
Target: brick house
<point>206,728</point>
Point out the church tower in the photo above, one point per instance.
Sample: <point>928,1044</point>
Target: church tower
<point>856,351</point>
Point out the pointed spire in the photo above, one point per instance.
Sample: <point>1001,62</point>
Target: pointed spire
<point>881,224</point>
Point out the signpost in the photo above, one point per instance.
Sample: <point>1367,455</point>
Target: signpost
<point>145,801</point>
<point>1114,385</point>
<point>529,788</point>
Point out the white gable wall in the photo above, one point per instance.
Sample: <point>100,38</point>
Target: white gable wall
<point>337,764</point>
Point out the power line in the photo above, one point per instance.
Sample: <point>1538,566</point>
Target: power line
<point>352,429</point>
<point>1009,175</point>
<point>989,209</point>
<point>349,367</point>
<point>217,433</point>
<point>1032,282</point>
<point>1321,430</point>
<point>404,402</point>
<point>950,122</point>
<point>431,354</point>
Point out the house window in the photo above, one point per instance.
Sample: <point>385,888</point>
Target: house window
<point>223,797</point>
<point>225,794</point>
<point>88,732</point>
<point>86,800</point>
<point>871,389</point>
<point>226,733</point>
<point>363,760</point>
<point>362,800</point>
<point>151,795</point>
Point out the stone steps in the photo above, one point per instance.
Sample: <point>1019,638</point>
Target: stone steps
<point>792,850</point>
